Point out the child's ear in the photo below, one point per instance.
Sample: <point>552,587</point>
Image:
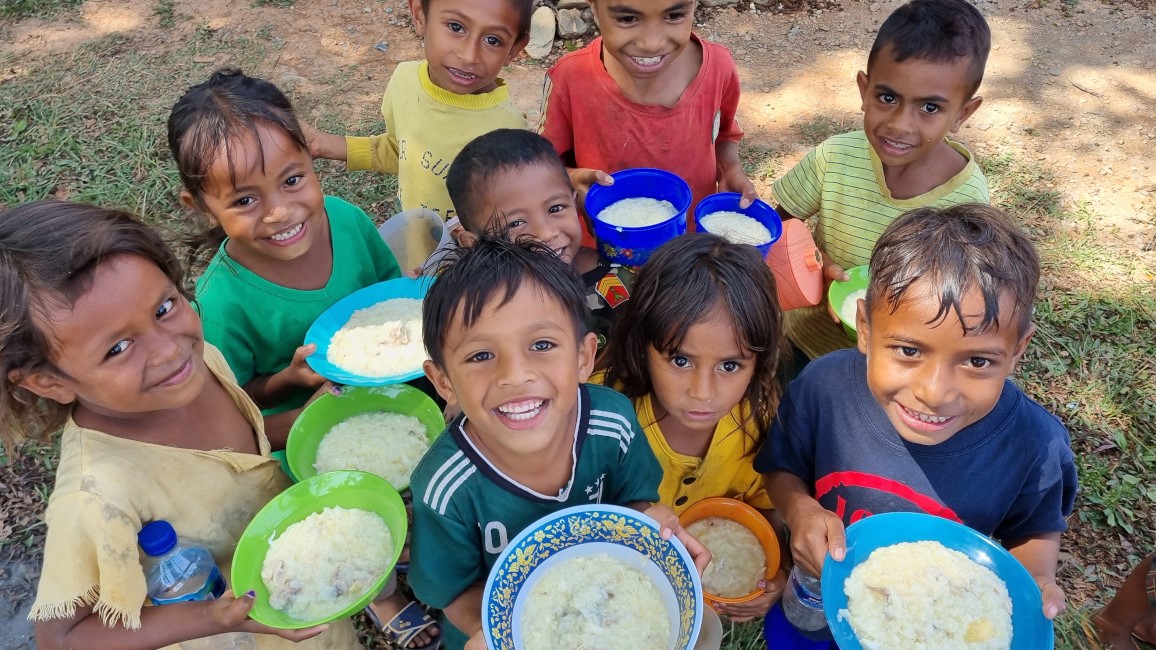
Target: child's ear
<point>861,81</point>
<point>190,203</point>
<point>1022,344</point>
<point>587,350</point>
<point>441,382</point>
<point>467,239</point>
<point>43,384</point>
<point>862,326</point>
<point>969,109</point>
<point>519,45</point>
<point>415,11</point>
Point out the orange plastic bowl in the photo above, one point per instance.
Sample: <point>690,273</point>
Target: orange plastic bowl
<point>753,520</point>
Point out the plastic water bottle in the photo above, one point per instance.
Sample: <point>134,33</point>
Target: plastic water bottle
<point>803,605</point>
<point>177,571</point>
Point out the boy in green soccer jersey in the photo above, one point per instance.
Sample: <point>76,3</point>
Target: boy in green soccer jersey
<point>504,328</point>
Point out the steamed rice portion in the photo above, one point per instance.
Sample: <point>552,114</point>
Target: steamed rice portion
<point>850,307</point>
<point>922,595</point>
<point>737,560</point>
<point>637,212</point>
<point>736,227</point>
<point>595,602</point>
<point>326,562</point>
<point>381,340</point>
<point>386,444</point>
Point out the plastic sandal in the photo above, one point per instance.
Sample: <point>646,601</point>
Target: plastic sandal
<point>407,624</point>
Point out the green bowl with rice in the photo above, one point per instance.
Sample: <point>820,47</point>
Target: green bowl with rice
<point>326,412</point>
<point>844,298</point>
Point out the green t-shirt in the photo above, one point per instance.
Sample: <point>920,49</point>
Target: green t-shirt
<point>465,511</point>
<point>258,325</point>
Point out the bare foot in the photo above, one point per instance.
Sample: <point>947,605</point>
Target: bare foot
<point>388,606</point>
<point>1111,634</point>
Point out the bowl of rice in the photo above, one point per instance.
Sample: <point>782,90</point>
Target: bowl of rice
<point>743,546</point>
<point>913,580</point>
<point>383,430</point>
<point>372,337</point>
<point>594,576</point>
<point>757,224</point>
<point>641,211</point>
<point>321,550</point>
<point>844,298</point>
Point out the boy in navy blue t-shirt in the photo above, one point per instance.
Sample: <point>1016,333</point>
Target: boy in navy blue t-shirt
<point>922,417</point>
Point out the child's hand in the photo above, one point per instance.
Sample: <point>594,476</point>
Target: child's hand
<point>477,641</point>
<point>757,608</point>
<point>322,144</point>
<point>815,532</point>
<point>414,273</point>
<point>299,372</point>
<point>1054,600</point>
<point>832,272</point>
<point>734,180</point>
<point>669,525</point>
<point>582,179</point>
<point>232,615</point>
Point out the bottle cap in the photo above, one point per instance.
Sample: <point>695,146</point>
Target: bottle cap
<point>157,538</point>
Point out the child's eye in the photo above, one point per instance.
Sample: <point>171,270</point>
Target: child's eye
<point>679,361</point>
<point>479,357</point>
<point>456,27</point>
<point>542,346</point>
<point>294,181</point>
<point>978,363</point>
<point>493,41</point>
<point>516,223</point>
<point>907,351</point>
<point>676,16</point>
<point>244,201</point>
<point>120,346</point>
<point>626,21</point>
<point>887,98</point>
<point>164,308</point>
<point>730,366</point>
<point>930,108</point>
<point>554,209</point>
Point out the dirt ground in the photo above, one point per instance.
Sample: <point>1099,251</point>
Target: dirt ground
<point>1070,87</point>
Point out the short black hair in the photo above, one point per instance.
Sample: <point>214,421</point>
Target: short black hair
<point>213,114</point>
<point>939,31</point>
<point>956,249</point>
<point>472,277</point>
<point>525,11</point>
<point>485,157</point>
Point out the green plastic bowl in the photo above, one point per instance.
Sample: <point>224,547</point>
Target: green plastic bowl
<point>345,489</point>
<point>838,292</point>
<point>329,410</point>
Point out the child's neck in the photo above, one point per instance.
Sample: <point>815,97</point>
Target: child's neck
<point>545,472</point>
<point>680,438</point>
<point>917,178</point>
<point>664,89</point>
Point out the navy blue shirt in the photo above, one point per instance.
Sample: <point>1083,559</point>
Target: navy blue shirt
<point>1009,475</point>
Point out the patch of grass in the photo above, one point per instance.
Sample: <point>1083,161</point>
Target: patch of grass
<point>743,636</point>
<point>166,15</point>
<point>272,3</point>
<point>821,127</point>
<point>759,162</point>
<point>39,8</point>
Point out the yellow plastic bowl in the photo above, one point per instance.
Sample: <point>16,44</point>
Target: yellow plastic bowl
<point>752,520</point>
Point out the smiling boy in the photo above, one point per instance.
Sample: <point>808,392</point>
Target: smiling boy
<point>503,325</point>
<point>922,75</point>
<point>923,416</point>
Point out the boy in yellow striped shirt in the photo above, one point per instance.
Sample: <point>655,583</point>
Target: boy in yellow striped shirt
<point>922,75</point>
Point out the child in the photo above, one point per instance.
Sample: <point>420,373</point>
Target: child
<point>696,349</point>
<point>511,180</point>
<point>922,74</point>
<point>98,338</point>
<point>647,93</point>
<point>1132,612</point>
<point>432,108</point>
<point>503,328</point>
<point>289,253</point>
<point>922,417</point>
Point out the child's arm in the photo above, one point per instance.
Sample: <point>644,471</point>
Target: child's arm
<point>324,145</point>
<point>583,179</point>
<point>270,390</point>
<point>815,531</point>
<point>1040,554</point>
<point>465,612</point>
<point>161,626</point>
<point>731,176</point>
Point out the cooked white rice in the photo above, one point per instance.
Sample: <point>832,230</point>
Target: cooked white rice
<point>850,307</point>
<point>595,602</point>
<point>737,560</point>
<point>325,562</point>
<point>381,340</point>
<point>736,227</point>
<point>637,212</point>
<point>922,595</point>
<point>386,444</point>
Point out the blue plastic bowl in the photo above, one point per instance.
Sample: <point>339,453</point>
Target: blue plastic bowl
<point>585,530</point>
<point>1030,630</point>
<point>633,246</point>
<point>338,314</point>
<point>757,210</point>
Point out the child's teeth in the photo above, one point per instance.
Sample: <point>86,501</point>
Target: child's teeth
<point>521,410</point>
<point>649,60</point>
<point>282,236</point>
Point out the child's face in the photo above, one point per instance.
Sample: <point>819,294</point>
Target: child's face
<point>644,37</point>
<point>467,41</point>
<point>909,107</point>
<point>268,201</point>
<point>704,379</point>
<point>515,372</point>
<point>539,201</point>
<point>930,378</point>
<point>131,344</point>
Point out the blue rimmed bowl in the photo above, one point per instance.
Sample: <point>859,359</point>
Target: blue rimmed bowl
<point>1030,629</point>
<point>587,530</point>
<point>758,210</point>
<point>337,316</point>
<point>633,246</point>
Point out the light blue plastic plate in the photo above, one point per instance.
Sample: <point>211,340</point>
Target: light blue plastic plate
<point>1030,630</point>
<point>338,314</point>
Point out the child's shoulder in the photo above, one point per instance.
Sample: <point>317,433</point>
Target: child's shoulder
<point>579,59</point>
<point>444,464</point>
<point>607,402</point>
<point>344,213</point>
<point>1030,419</point>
